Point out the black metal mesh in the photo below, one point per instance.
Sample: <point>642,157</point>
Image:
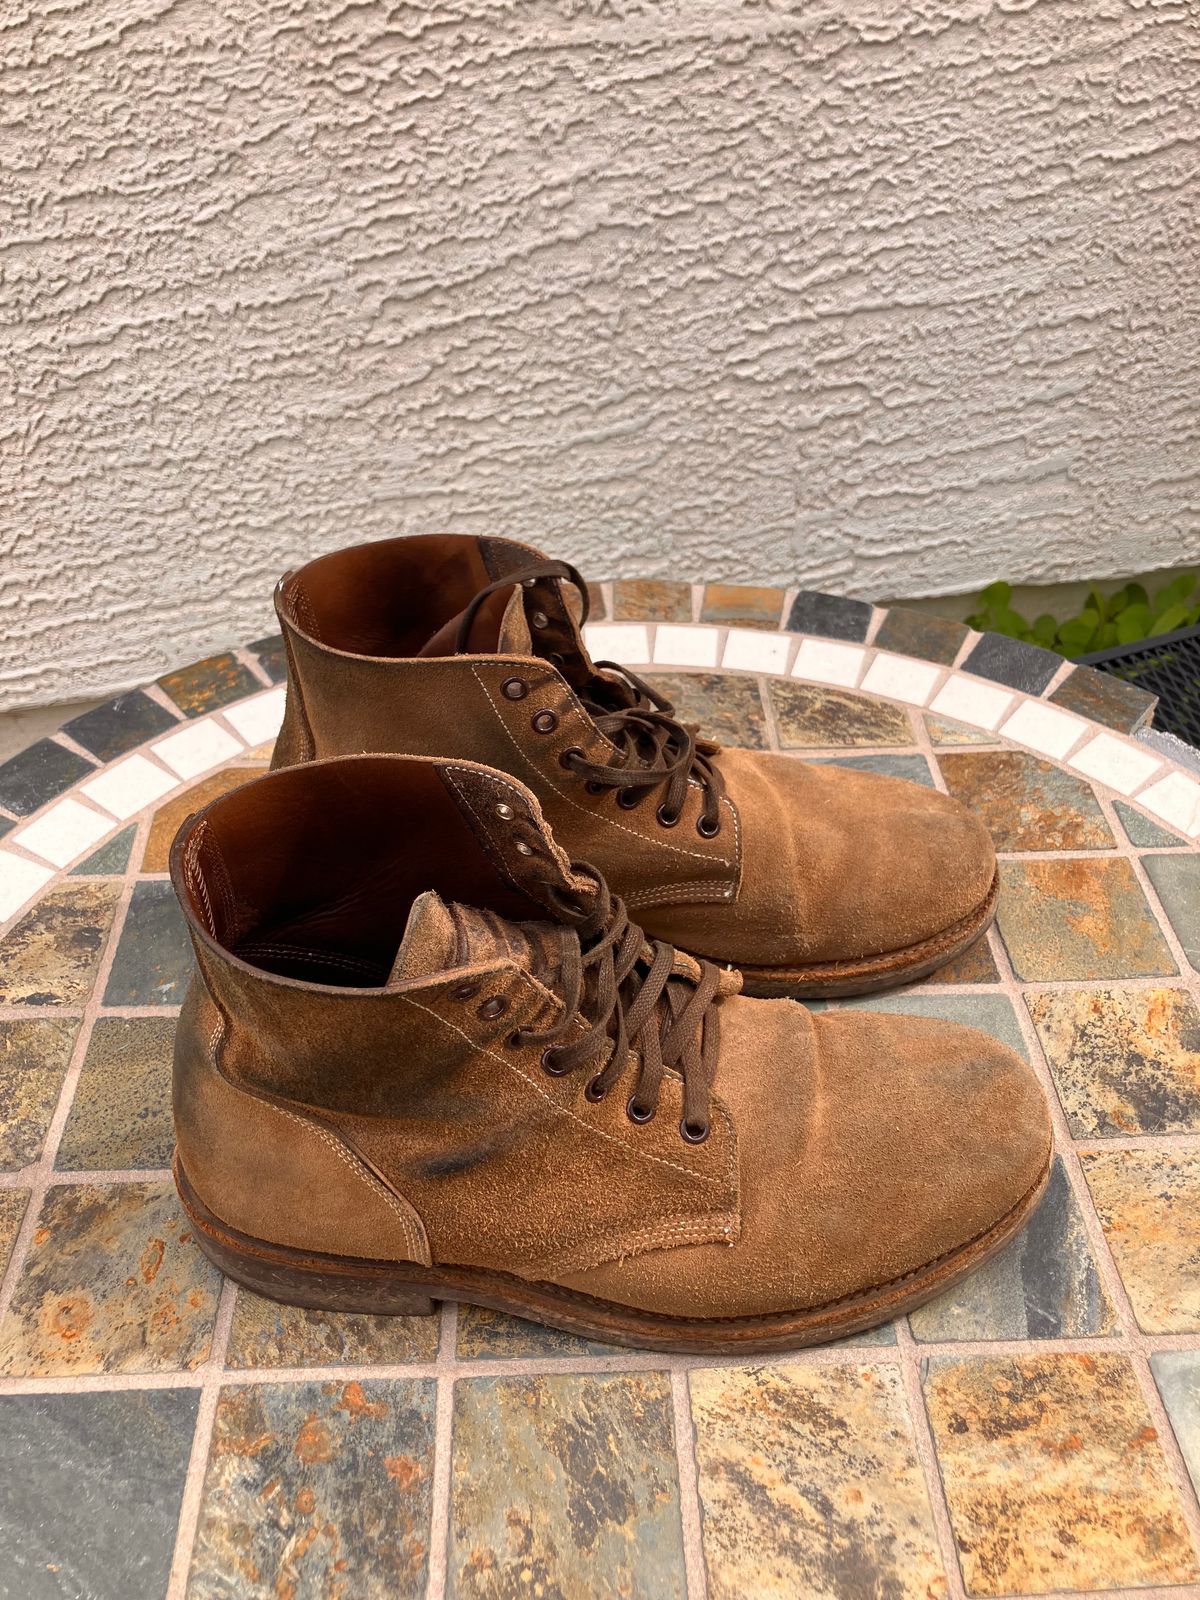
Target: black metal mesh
<point>1168,667</point>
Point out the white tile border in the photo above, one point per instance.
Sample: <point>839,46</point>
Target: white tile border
<point>1044,729</point>
<point>1115,762</point>
<point>755,650</point>
<point>259,718</point>
<point>128,785</point>
<point>968,699</point>
<point>678,644</point>
<point>20,880</point>
<point>901,678</point>
<point>198,748</point>
<point>65,830</point>
<point>1175,800</point>
<point>828,661</point>
<point>619,641</point>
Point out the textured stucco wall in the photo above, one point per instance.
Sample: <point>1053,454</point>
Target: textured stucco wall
<point>887,295</point>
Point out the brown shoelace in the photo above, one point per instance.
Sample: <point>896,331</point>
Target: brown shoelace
<point>629,992</point>
<point>653,746</point>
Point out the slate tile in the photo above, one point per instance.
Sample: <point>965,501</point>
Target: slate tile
<point>1125,1061</point>
<point>12,1214</point>
<point>113,1282</point>
<point>90,1491</point>
<point>267,1334</point>
<point>121,1114</point>
<point>209,684</point>
<point>154,957</point>
<point>993,1013</point>
<point>1042,1285</point>
<point>110,859</point>
<point>742,605</point>
<point>1176,881</point>
<point>316,1491</point>
<point>271,656</point>
<point>811,718</point>
<point>651,600</point>
<point>1142,831</point>
<point>917,633</point>
<point>976,965</point>
<point>485,1334</point>
<point>39,773</point>
<point>1177,1374</point>
<point>565,1485</point>
<point>725,704</point>
<point>170,816</point>
<point>1148,1202</point>
<point>1054,1474</point>
<point>597,608</point>
<point>830,616</point>
<point>1027,803</point>
<point>1012,662</point>
<point>1102,698</point>
<point>34,1056</point>
<point>6,824</point>
<point>49,957</point>
<point>943,731</point>
<point>1079,918</point>
<point>120,725</point>
<point>810,1484</point>
<point>914,768</point>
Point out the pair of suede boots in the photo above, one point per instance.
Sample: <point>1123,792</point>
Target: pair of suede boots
<point>444,1040</point>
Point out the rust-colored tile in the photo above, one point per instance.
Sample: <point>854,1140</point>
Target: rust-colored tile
<point>651,600</point>
<point>810,718</point>
<point>33,1063</point>
<point>206,685</point>
<point>1124,1060</point>
<point>1148,1202</point>
<point>49,957</point>
<point>168,817</point>
<point>12,1213</point>
<point>976,965</point>
<point>1102,698</point>
<point>267,1334</point>
<point>726,705</point>
<point>742,605</point>
<point>1055,1475</point>
<point>1082,917</point>
<point>121,1114</point>
<point>113,1283</point>
<point>1027,803</point>
<point>810,1484</point>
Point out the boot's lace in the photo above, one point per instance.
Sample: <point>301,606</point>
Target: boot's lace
<point>653,747</point>
<point>629,993</point>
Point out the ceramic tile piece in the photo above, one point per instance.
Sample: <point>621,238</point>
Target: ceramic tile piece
<point>826,661</point>
<point>1176,881</point>
<point>121,1114</point>
<point>952,733</point>
<point>918,633</point>
<point>63,831</point>
<point>742,605</point>
<point>1054,1474</point>
<point>1148,1202</point>
<point>1042,1285</point>
<point>968,700</point>
<point>618,641</point>
<point>113,1282</point>
<point>993,1013</point>
<point>1142,830</point>
<point>1125,1061</point>
<point>751,651</point>
<point>271,656</point>
<point>1100,697</point>
<point>49,957</point>
<point>12,1214</point>
<point>1010,661</point>
<point>686,647</point>
<point>119,725</point>
<point>976,965</point>
<point>154,957</point>
<point>317,1491</point>
<point>914,768</point>
<point>111,858</point>
<point>1113,762</point>
<point>829,615</point>
<point>810,1484</point>
<point>39,773</point>
<point>813,719</point>
<point>597,606</point>
<point>129,785</point>
<point>565,1486</point>
<point>260,717</point>
<point>80,1473</point>
<point>1026,803</point>
<point>1176,799</point>
<point>726,706</point>
<point>20,879</point>
<point>196,748</point>
<point>209,684</point>
<point>6,825</point>
<point>1044,728</point>
<point>1177,1374</point>
<point>651,600</point>
<point>1079,918</point>
<point>34,1056</point>
<point>168,817</point>
<point>490,1335</point>
<point>901,678</point>
<point>268,1334</point>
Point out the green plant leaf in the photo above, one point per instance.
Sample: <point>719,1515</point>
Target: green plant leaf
<point>1076,635</point>
<point>1174,617</point>
<point>1106,636</point>
<point>1044,630</point>
<point>1137,595</point>
<point>997,595</point>
<point>1174,593</point>
<point>1133,623</point>
<point>1097,603</point>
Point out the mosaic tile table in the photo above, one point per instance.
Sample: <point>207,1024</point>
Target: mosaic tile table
<point>1038,1431</point>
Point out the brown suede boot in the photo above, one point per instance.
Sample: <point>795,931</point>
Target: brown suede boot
<point>427,1057</point>
<point>814,880</point>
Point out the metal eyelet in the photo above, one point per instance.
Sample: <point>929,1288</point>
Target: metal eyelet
<point>516,1039</point>
<point>543,722</point>
<point>694,1134</point>
<point>505,812</point>
<point>464,991</point>
<point>592,1093</point>
<point>708,830</point>
<point>494,1007</point>
<point>514,688</point>
<point>636,1112</point>
<point>550,1064</point>
<point>569,756</point>
<point>522,848</point>
<point>627,799</point>
<point>539,619</point>
<point>592,787</point>
<point>665,818</point>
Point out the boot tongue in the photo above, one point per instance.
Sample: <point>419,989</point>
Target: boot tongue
<point>502,626</point>
<point>443,935</point>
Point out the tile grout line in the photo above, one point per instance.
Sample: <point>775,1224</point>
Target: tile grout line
<point>691,1513</point>
<point>911,1357</point>
<point>445,1369</point>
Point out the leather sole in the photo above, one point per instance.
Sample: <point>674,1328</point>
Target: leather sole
<point>827,980</point>
<point>406,1288</point>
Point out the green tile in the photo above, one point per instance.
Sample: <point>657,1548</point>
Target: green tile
<point>121,1114</point>
<point>993,1013</point>
<point>726,705</point>
<point>317,1491</point>
<point>1079,918</point>
<point>154,957</point>
<point>565,1486</point>
<point>915,769</point>
<point>111,858</point>
<point>1148,1202</point>
<point>209,684</point>
<point>268,1334</point>
<point>1026,803</point>
<point>34,1056</point>
<point>1177,1374</point>
<point>1142,831</point>
<point>1176,881</point>
<point>490,1335</point>
<point>651,600</point>
<point>49,957</point>
<point>12,1214</point>
<point>811,718</point>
